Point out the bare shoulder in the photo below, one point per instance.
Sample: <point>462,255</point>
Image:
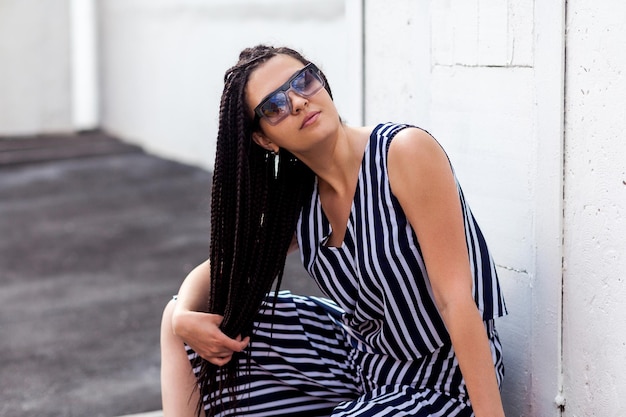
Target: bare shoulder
<point>415,151</point>
<point>421,178</point>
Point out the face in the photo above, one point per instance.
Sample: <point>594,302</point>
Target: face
<point>276,106</point>
<point>290,104</point>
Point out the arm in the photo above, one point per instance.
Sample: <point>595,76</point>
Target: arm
<point>198,329</point>
<point>422,181</point>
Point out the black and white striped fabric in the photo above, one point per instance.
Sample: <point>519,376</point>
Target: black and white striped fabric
<point>379,279</point>
<point>301,363</point>
<point>381,348</point>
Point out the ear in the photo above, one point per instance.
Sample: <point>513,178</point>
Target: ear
<point>262,140</point>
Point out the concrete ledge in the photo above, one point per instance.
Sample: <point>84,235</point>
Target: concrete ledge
<point>42,148</point>
<point>158,413</point>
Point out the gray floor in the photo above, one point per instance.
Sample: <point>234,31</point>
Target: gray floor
<point>95,237</point>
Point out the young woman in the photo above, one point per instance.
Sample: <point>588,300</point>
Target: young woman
<point>383,228</point>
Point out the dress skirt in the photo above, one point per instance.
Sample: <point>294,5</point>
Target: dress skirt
<point>303,364</point>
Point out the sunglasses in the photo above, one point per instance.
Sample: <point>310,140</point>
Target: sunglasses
<point>277,105</point>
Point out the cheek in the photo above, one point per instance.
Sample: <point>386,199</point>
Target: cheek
<point>324,99</point>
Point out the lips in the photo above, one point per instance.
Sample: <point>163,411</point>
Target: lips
<point>309,119</point>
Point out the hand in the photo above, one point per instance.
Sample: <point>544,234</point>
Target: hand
<point>202,333</point>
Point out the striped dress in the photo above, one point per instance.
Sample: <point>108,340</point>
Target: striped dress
<point>380,347</point>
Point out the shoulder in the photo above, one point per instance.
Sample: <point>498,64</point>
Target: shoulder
<point>418,168</point>
<point>414,150</point>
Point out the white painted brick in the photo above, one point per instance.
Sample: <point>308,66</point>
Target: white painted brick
<point>484,117</point>
<point>396,62</point>
<point>517,346</point>
<point>482,32</point>
<point>521,32</point>
<point>442,33</point>
<point>492,32</point>
<point>595,209</point>
<point>465,31</point>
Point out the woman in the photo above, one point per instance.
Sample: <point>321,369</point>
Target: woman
<point>382,227</point>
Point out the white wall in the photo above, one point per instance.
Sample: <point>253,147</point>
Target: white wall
<point>595,210</point>
<point>163,63</point>
<point>85,59</point>
<point>35,93</point>
<point>486,77</point>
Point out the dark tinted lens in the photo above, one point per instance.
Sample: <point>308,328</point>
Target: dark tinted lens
<point>307,83</point>
<point>275,106</point>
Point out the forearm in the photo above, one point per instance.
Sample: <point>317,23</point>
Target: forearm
<point>470,342</point>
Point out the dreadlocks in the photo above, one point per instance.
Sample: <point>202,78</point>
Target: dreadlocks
<point>253,218</point>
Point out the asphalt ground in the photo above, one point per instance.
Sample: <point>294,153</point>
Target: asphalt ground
<point>95,237</point>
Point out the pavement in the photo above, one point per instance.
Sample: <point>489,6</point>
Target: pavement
<point>95,237</point>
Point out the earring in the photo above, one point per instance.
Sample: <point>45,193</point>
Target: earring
<point>276,159</point>
<point>276,163</point>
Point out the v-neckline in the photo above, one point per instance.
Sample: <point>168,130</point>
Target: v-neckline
<point>329,232</point>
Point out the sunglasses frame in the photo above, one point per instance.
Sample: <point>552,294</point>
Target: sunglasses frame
<point>258,113</point>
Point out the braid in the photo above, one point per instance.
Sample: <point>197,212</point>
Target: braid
<point>253,219</point>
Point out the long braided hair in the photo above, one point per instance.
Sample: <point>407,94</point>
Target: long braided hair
<point>253,218</point>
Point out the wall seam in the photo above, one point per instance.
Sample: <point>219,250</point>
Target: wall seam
<point>561,399</point>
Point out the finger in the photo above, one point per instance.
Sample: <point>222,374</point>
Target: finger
<point>220,361</point>
<point>243,342</point>
<point>234,345</point>
<point>223,351</point>
<point>211,353</point>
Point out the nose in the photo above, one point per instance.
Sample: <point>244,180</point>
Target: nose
<point>297,102</point>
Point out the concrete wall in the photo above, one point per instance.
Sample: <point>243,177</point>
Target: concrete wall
<point>595,210</point>
<point>486,78</point>
<point>163,63</point>
<point>35,78</point>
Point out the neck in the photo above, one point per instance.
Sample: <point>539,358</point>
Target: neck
<point>337,161</point>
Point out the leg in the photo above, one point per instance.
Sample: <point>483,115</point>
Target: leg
<point>300,364</point>
<point>430,386</point>
<point>177,379</point>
